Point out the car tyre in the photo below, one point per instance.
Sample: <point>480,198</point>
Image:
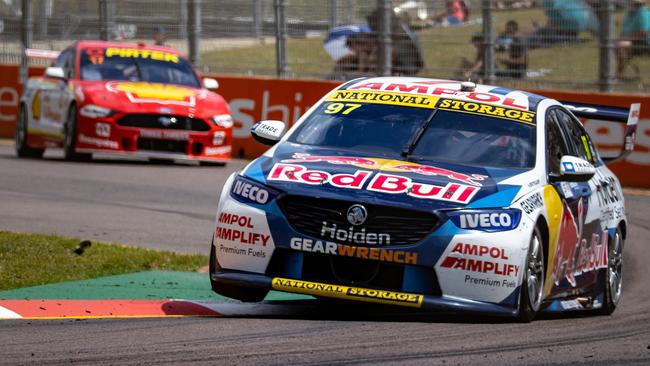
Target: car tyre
<point>70,138</point>
<point>532,286</point>
<point>23,150</point>
<point>614,278</point>
<point>244,294</point>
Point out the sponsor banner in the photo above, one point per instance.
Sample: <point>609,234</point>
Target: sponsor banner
<point>242,238</point>
<point>389,166</point>
<point>483,266</point>
<point>252,99</point>
<point>374,97</point>
<point>487,110</point>
<point>490,221</point>
<point>381,182</point>
<point>332,248</point>
<point>248,191</point>
<point>348,293</point>
<point>135,53</point>
<point>142,92</point>
<point>446,88</point>
<point>480,259</point>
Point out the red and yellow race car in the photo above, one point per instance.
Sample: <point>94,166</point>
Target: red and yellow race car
<point>130,99</point>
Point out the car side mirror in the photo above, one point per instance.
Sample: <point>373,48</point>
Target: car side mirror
<point>268,132</point>
<point>55,72</point>
<point>210,84</point>
<point>574,169</point>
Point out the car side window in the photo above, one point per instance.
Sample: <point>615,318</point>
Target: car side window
<point>66,62</point>
<point>576,135</point>
<point>556,145</point>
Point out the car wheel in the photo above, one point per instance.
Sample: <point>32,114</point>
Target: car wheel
<point>23,150</point>
<point>614,280</point>
<point>530,300</point>
<point>244,294</point>
<point>70,139</point>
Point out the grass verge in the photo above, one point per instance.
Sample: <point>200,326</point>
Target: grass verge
<point>36,259</point>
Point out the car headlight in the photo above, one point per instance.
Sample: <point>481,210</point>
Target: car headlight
<point>223,120</point>
<point>246,190</point>
<point>94,111</point>
<point>489,220</point>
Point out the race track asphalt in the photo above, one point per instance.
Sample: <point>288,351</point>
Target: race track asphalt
<point>172,207</point>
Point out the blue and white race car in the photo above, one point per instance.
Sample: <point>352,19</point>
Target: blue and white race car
<point>429,194</point>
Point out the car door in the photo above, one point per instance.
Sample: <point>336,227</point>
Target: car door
<point>581,236</point>
<point>49,108</point>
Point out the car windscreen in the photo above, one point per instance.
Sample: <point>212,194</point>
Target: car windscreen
<point>136,65</point>
<point>449,136</point>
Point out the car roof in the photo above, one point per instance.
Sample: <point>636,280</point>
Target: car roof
<point>139,45</point>
<point>449,89</point>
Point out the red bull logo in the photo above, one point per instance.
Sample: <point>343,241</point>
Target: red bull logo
<point>576,255</point>
<point>381,182</point>
<point>341,160</point>
<point>390,165</point>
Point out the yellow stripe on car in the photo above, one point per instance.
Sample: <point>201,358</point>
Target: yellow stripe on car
<point>348,293</point>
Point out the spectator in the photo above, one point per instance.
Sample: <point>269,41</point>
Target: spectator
<point>159,36</point>
<point>456,13</point>
<point>566,19</point>
<point>517,61</point>
<point>407,55</point>
<point>635,35</point>
<point>504,40</point>
<point>472,69</point>
<point>362,60</point>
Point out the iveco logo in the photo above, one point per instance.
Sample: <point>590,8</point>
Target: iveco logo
<point>357,215</point>
<point>166,121</point>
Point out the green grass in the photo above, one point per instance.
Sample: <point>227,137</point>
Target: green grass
<point>568,66</point>
<point>36,259</point>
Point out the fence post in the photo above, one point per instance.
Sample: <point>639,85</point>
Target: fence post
<point>334,21</point>
<point>41,24</point>
<point>106,19</point>
<point>281,38</point>
<point>606,65</point>
<point>258,19</point>
<point>182,21</point>
<point>351,11</point>
<point>194,17</point>
<point>27,34</point>
<point>488,41</point>
<point>385,42</point>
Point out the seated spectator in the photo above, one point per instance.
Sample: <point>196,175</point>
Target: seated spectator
<point>473,69</point>
<point>159,36</point>
<point>517,61</point>
<point>566,19</point>
<point>504,40</point>
<point>635,35</point>
<point>456,13</point>
<point>363,57</point>
<point>407,54</point>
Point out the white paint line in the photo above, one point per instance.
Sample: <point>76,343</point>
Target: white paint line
<point>8,314</point>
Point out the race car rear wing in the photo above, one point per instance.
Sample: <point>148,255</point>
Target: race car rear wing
<point>611,114</point>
